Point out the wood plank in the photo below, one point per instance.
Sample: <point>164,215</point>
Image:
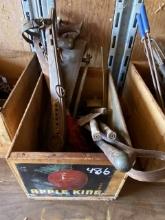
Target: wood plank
<point>59,158</point>
<point>12,64</point>
<point>117,122</point>
<point>145,119</point>
<point>94,78</point>
<point>116,119</point>
<point>27,135</point>
<point>11,17</point>
<point>17,101</point>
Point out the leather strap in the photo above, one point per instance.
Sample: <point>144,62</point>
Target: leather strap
<point>144,176</point>
<point>30,28</point>
<point>148,176</point>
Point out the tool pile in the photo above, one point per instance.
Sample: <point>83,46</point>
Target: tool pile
<point>61,52</point>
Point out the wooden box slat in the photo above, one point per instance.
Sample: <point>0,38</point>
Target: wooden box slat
<point>22,71</point>
<point>144,117</point>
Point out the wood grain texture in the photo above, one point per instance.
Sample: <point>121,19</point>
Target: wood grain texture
<point>12,64</point>
<point>27,134</point>
<point>137,201</point>
<point>97,17</point>
<point>18,99</point>
<point>5,141</point>
<point>145,119</point>
<point>11,18</point>
<point>27,144</point>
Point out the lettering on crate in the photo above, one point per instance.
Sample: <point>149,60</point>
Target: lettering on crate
<point>65,192</point>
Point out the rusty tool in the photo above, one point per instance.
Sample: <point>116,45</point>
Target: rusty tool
<point>56,87</point>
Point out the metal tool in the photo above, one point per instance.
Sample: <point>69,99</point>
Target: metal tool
<point>119,159</point>
<point>60,65</point>
<point>57,91</point>
<point>71,49</point>
<point>123,157</point>
<point>158,56</point>
<point>36,13</point>
<point>147,31</point>
<point>143,38</point>
<point>40,30</point>
<point>105,81</point>
<point>144,30</point>
<point>132,153</point>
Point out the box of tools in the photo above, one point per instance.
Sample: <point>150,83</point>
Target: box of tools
<point>144,116</point>
<point>56,116</point>
<point>71,173</point>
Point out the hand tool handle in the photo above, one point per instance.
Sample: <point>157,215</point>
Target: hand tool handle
<point>144,17</point>
<point>95,132</point>
<point>118,158</point>
<point>140,26</point>
<point>107,131</point>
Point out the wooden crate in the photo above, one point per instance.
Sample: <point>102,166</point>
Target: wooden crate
<point>32,166</point>
<point>22,71</point>
<point>144,117</point>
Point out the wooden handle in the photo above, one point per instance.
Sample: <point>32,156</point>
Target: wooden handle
<point>107,131</point>
<point>118,158</point>
<point>95,132</point>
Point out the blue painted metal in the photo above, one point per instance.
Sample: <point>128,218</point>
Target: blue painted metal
<point>122,38</point>
<point>140,26</point>
<point>145,20</point>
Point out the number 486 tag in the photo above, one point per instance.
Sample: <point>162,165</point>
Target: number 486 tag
<point>99,171</point>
